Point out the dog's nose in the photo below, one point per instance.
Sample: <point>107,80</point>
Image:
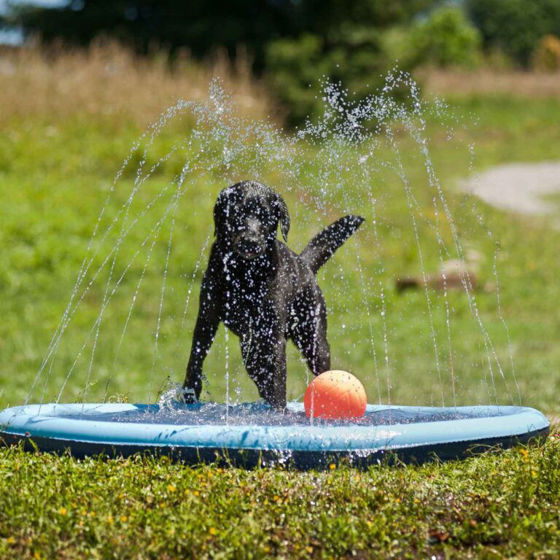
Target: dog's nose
<point>248,247</point>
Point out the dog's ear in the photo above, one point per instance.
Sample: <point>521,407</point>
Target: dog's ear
<point>282,215</point>
<point>221,209</point>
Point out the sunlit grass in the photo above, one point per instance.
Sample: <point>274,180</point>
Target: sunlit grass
<point>56,175</point>
<point>109,81</point>
<point>498,505</point>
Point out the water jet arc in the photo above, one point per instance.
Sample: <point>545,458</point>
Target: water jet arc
<point>256,434</point>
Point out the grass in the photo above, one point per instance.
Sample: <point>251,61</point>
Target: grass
<point>491,81</point>
<point>110,82</point>
<point>56,174</point>
<point>57,162</point>
<point>496,506</point>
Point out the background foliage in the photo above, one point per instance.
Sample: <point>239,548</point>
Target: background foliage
<point>515,26</point>
<point>293,46</point>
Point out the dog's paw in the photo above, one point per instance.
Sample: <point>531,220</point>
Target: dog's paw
<point>187,395</point>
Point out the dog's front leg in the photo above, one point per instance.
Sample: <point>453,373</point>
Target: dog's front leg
<point>204,332</point>
<point>264,355</point>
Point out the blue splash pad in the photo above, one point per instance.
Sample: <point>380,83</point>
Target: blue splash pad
<point>254,433</point>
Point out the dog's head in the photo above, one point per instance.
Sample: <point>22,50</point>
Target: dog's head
<point>246,217</point>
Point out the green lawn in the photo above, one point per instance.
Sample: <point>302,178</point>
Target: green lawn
<point>497,506</point>
<point>54,177</point>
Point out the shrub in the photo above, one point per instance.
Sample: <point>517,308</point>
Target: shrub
<point>515,26</point>
<point>294,65</point>
<point>547,54</point>
<point>359,54</point>
<point>352,55</point>
<point>446,38</point>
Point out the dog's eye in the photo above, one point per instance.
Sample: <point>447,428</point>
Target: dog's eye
<point>252,207</point>
<point>262,214</point>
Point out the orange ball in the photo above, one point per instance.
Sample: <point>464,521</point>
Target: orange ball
<point>335,394</point>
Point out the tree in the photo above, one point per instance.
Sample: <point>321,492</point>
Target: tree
<point>446,38</point>
<point>339,41</point>
<point>294,42</point>
<point>198,25</point>
<point>515,26</point>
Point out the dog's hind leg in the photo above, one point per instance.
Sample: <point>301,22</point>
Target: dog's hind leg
<point>264,357</point>
<point>310,336</point>
<point>315,349</point>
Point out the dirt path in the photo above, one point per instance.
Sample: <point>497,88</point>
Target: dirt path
<point>517,186</point>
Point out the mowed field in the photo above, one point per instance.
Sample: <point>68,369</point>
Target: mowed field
<point>60,151</point>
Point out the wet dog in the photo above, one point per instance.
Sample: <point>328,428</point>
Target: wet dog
<point>262,291</point>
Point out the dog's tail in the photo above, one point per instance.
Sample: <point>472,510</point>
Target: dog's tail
<point>321,248</point>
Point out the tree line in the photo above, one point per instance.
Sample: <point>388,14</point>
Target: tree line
<point>295,43</point>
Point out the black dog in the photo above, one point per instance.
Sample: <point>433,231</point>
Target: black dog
<point>262,290</point>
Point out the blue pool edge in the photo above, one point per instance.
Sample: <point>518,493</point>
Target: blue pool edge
<point>46,428</point>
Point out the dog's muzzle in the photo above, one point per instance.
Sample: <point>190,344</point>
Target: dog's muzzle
<point>248,247</point>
